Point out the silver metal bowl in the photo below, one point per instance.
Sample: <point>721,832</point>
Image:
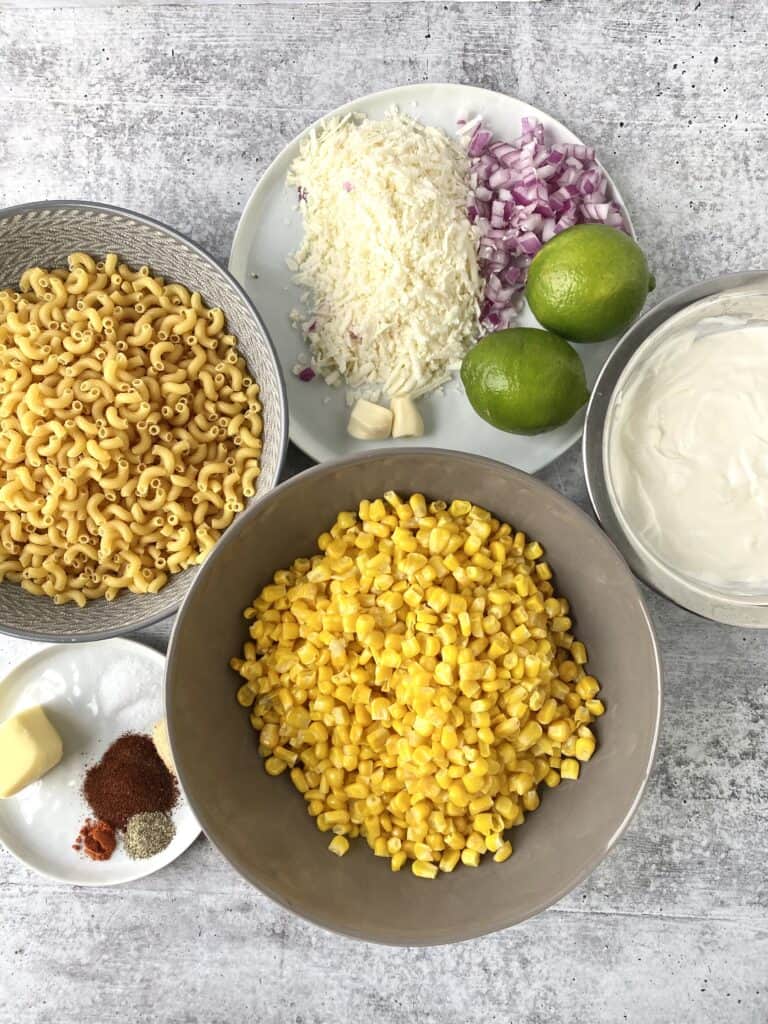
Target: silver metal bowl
<point>44,234</point>
<point>688,594</point>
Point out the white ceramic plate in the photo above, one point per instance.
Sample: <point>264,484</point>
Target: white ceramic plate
<point>92,693</point>
<point>270,230</point>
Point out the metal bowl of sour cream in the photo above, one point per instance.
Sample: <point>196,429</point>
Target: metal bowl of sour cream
<point>676,448</point>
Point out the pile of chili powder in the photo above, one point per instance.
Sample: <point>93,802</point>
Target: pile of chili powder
<point>130,779</point>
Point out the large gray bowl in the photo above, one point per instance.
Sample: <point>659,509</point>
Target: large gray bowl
<point>44,234</point>
<point>260,823</point>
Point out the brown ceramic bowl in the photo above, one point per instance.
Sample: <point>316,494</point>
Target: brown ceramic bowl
<point>260,823</point>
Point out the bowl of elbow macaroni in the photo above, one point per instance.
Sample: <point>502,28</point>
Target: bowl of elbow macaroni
<point>141,409</point>
<point>428,693</point>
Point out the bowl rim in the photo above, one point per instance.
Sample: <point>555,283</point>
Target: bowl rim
<point>675,588</point>
<point>657,689</point>
<point>86,204</point>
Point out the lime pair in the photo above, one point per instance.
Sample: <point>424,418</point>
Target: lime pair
<point>586,284</point>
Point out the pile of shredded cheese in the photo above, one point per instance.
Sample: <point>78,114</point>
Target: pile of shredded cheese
<point>388,262</point>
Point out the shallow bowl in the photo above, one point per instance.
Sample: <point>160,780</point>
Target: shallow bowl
<point>44,234</point>
<point>260,823</point>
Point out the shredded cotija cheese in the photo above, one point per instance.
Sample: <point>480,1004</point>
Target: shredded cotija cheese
<point>389,258</point>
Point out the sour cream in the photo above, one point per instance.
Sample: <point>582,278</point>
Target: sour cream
<point>687,452</point>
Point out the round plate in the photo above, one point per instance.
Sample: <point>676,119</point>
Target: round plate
<point>92,694</point>
<point>270,229</point>
<point>652,572</point>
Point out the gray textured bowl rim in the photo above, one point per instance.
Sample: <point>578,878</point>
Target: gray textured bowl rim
<point>666,584</point>
<point>47,204</point>
<point>318,471</point>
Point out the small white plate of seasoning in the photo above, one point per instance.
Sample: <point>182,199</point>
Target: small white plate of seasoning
<point>270,230</point>
<point>92,694</point>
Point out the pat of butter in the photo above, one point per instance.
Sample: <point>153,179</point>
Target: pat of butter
<point>29,747</point>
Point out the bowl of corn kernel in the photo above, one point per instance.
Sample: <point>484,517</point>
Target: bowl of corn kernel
<point>414,696</point>
<point>141,409</point>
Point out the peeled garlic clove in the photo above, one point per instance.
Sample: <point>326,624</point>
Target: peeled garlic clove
<point>369,422</point>
<point>406,420</point>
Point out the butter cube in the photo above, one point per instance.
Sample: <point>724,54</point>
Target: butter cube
<point>29,747</point>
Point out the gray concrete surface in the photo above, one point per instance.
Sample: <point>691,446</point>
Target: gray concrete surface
<point>176,110</point>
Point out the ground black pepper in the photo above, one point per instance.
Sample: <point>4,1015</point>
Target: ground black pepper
<point>130,778</point>
<point>148,833</point>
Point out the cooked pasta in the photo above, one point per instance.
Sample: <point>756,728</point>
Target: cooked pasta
<point>130,432</point>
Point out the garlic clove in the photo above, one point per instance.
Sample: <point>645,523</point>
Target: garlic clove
<point>406,419</point>
<point>369,422</point>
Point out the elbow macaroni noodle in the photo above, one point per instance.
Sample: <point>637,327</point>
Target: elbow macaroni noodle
<point>130,433</point>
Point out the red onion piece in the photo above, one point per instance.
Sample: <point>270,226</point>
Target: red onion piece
<point>524,193</point>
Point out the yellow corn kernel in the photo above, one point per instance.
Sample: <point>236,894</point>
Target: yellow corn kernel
<point>587,687</point>
<point>531,800</point>
<point>419,505</point>
<point>569,769</point>
<point>289,756</point>
<point>459,508</point>
<point>484,824</point>
<point>274,766</point>
<point>520,634</point>
<point>579,652</point>
<point>423,869</point>
<point>572,700</point>
<point>470,857</point>
<point>559,731</point>
<point>458,795</point>
<point>398,860</point>
<point>503,853</point>
<point>528,735</point>
<point>339,845</point>
<point>585,748</point>
<point>480,804</point>
<point>493,842</point>
<point>269,736</point>
<point>449,860</point>
<point>471,670</point>
<point>595,707</point>
<point>245,696</point>
<point>474,783</point>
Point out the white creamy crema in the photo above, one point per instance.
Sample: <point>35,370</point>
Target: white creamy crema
<point>688,452</point>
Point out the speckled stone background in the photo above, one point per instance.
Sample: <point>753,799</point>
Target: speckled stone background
<point>175,109</point>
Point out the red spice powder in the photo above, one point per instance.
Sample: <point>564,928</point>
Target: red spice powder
<point>96,839</point>
<point>130,778</point>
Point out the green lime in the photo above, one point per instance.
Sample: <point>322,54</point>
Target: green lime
<point>588,283</point>
<point>524,380</point>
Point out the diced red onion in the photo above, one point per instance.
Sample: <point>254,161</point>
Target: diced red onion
<point>524,193</point>
<point>480,140</point>
<point>307,374</point>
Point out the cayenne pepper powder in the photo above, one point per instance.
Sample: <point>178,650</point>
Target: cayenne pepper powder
<point>96,839</point>
<point>130,778</point>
